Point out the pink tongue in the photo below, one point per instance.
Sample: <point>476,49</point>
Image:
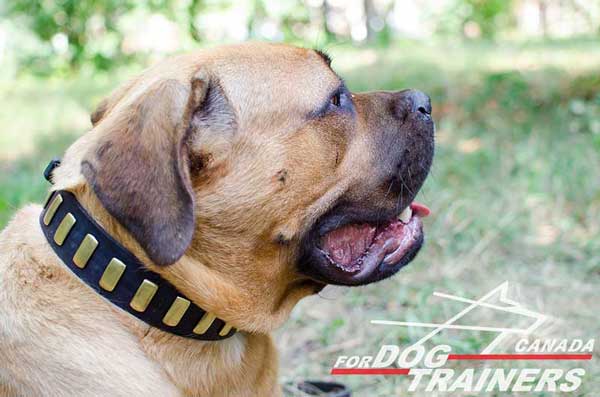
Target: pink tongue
<point>420,209</point>
<point>347,244</point>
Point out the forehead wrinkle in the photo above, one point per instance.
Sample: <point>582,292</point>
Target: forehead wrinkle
<point>282,82</point>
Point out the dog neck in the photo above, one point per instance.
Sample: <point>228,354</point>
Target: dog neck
<point>117,275</point>
<point>208,288</point>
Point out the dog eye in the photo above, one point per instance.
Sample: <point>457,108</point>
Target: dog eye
<point>336,100</point>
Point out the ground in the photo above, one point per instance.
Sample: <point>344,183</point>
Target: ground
<point>514,191</point>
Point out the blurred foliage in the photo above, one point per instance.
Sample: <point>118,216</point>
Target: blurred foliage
<point>586,118</point>
<point>476,18</point>
<point>94,32</point>
<point>489,15</point>
<point>72,24</point>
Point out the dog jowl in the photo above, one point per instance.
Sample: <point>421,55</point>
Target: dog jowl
<point>375,228</point>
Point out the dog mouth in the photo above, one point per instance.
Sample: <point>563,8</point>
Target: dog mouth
<point>357,248</point>
<point>361,252</point>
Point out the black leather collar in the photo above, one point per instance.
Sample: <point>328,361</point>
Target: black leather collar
<point>116,274</point>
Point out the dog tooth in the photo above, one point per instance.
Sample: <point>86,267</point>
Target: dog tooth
<point>405,216</point>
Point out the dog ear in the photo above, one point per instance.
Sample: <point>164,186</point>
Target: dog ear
<point>107,104</point>
<point>140,167</point>
<point>99,112</point>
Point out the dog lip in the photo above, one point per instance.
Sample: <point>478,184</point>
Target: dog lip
<point>334,220</point>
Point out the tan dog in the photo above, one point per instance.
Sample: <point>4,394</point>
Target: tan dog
<point>247,176</point>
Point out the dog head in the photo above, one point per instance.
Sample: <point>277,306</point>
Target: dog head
<point>250,176</point>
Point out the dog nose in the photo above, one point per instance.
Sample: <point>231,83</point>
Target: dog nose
<point>412,101</point>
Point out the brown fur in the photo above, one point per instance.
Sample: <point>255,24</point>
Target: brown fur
<point>209,163</point>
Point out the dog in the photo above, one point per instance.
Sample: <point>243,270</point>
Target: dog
<point>246,176</point>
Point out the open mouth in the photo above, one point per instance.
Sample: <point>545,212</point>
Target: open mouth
<point>357,251</point>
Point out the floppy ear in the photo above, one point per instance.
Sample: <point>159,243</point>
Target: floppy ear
<point>139,168</point>
<point>107,104</point>
<point>97,114</point>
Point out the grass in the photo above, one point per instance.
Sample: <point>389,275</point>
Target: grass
<point>514,190</point>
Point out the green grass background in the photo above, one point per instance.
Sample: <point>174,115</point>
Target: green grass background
<point>514,190</point>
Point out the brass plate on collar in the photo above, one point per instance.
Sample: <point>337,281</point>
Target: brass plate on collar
<point>143,296</point>
<point>64,228</point>
<point>225,330</point>
<point>85,251</point>
<point>204,323</point>
<point>176,311</point>
<point>112,274</point>
<point>51,211</point>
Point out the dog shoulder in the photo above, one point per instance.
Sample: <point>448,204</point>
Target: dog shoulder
<point>56,336</point>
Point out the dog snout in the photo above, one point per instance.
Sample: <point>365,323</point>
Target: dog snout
<point>412,101</point>
<point>406,145</point>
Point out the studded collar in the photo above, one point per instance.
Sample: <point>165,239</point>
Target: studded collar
<point>117,275</point>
